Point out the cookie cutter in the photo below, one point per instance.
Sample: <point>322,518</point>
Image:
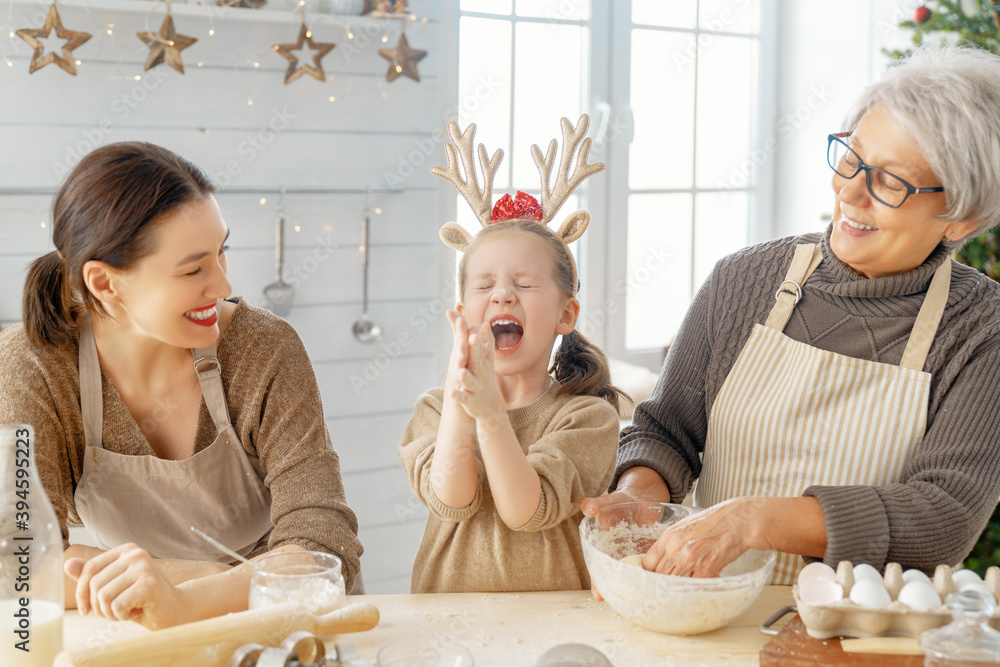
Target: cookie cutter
<point>299,649</point>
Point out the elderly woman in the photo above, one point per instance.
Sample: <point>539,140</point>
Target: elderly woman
<point>852,415</point>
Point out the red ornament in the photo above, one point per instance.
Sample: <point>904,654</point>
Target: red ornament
<point>521,207</point>
<point>921,14</point>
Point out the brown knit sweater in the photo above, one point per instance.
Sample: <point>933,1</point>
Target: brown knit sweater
<point>570,442</point>
<point>952,484</point>
<point>274,404</point>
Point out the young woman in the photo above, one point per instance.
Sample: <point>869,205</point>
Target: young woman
<point>159,404</point>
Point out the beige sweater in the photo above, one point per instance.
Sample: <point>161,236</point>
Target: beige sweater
<point>274,404</point>
<point>570,442</point>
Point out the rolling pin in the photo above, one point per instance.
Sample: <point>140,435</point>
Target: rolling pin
<point>211,642</point>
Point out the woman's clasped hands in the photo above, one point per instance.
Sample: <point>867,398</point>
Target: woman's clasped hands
<point>125,584</point>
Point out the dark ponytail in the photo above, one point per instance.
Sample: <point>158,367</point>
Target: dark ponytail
<point>582,369</point>
<point>47,304</point>
<point>103,211</point>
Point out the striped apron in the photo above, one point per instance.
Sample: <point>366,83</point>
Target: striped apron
<point>790,415</point>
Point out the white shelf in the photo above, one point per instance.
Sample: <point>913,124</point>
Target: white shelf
<point>276,11</point>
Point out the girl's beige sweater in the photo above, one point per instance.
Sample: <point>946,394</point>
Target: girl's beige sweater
<point>570,441</point>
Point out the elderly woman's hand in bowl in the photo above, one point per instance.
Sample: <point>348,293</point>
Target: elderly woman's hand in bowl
<point>665,602</point>
<point>698,546</point>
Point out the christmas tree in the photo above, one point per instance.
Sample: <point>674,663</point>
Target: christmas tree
<point>971,22</point>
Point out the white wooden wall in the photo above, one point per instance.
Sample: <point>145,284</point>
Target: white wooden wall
<point>373,134</point>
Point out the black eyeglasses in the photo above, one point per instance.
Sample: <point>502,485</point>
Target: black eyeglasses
<point>887,188</point>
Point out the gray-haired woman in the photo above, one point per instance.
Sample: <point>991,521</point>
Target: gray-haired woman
<point>854,416</point>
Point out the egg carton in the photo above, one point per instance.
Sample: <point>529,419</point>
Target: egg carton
<point>845,618</point>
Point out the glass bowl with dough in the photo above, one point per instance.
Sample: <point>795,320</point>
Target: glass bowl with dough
<point>663,602</point>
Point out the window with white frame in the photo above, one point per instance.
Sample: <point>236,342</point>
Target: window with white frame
<point>675,92</point>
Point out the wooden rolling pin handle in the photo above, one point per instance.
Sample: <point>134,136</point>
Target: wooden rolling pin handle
<point>209,643</point>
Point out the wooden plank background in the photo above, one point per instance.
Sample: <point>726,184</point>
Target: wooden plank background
<point>372,134</point>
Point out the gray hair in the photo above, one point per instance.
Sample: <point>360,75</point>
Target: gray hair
<point>948,100</point>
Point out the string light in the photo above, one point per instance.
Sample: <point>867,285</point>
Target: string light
<point>263,200</point>
<point>298,228</point>
<point>109,29</point>
<point>43,224</point>
<point>378,211</point>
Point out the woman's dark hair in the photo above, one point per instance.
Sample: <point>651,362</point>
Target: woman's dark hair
<point>103,211</point>
<point>580,366</point>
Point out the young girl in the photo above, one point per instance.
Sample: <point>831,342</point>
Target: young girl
<point>505,452</point>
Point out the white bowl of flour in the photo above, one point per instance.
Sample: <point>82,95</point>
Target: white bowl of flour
<point>663,602</point>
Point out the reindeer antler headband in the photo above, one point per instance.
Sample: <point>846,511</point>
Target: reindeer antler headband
<point>523,206</point>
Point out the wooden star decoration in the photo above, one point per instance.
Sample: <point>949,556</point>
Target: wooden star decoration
<point>402,60</point>
<point>318,49</point>
<point>166,45</point>
<point>73,39</point>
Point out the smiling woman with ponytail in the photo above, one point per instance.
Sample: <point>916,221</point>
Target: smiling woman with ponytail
<point>132,359</point>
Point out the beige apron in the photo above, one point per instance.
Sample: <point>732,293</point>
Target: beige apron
<point>154,502</point>
<point>790,415</point>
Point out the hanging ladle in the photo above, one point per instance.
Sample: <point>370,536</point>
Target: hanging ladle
<point>279,294</point>
<point>365,330</point>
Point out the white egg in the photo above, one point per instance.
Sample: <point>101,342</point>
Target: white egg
<point>820,590</point>
<point>870,594</point>
<point>919,596</point>
<point>963,577</point>
<point>817,569</point>
<point>866,571</point>
<point>915,575</point>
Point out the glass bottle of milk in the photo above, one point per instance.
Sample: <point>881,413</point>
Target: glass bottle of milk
<point>31,574</point>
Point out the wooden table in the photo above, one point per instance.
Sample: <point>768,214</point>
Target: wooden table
<point>514,629</point>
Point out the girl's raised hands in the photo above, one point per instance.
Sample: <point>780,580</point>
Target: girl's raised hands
<point>477,388</point>
<point>459,352</point>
